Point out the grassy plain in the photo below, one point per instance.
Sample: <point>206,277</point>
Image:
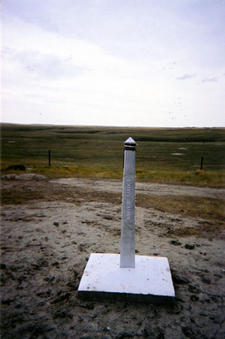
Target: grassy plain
<point>166,155</point>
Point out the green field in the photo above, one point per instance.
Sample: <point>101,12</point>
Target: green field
<point>169,155</point>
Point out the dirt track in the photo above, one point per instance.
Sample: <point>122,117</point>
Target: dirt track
<point>115,186</point>
<point>45,246</point>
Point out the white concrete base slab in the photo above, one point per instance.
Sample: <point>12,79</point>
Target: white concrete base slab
<point>149,281</point>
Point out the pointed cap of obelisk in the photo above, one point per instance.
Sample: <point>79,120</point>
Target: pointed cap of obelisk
<point>130,141</point>
<point>130,144</point>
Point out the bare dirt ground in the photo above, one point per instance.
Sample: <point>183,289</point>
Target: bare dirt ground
<point>115,186</point>
<point>49,228</point>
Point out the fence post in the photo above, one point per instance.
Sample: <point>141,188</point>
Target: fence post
<point>201,166</point>
<point>49,158</point>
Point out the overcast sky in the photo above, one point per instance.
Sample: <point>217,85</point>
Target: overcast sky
<point>114,62</point>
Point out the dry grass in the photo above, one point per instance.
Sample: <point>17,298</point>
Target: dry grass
<point>97,152</point>
<point>24,192</point>
<point>185,206</point>
<point>212,210</point>
<point>21,192</point>
<point>196,177</point>
<point>205,229</point>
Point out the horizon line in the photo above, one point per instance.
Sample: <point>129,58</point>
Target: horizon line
<point>105,126</point>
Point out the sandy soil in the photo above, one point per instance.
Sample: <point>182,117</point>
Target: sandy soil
<point>46,243</point>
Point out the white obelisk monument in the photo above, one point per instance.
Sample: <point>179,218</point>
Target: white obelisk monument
<point>127,245</point>
<point>126,275</point>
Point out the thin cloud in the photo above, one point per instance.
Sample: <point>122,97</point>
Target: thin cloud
<point>186,76</point>
<point>212,79</point>
<point>86,61</point>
